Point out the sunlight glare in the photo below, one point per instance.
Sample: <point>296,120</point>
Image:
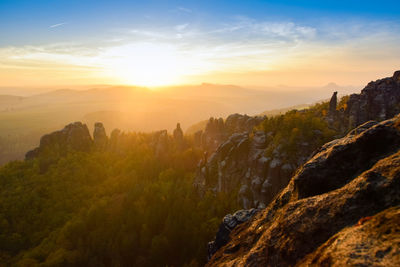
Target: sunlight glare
<point>146,64</point>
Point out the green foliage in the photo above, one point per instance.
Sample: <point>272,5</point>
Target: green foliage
<point>127,205</point>
<point>120,207</point>
<point>298,133</point>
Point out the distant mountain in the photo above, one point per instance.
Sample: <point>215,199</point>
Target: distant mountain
<point>141,109</point>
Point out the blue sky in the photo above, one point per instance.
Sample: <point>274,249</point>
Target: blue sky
<point>218,39</point>
<point>28,21</point>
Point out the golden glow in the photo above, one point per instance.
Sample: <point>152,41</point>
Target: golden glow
<point>148,64</point>
<point>157,64</point>
<point>143,64</point>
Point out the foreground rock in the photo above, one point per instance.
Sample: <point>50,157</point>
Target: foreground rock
<point>373,241</point>
<point>340,208</point>
<point>229,222</point>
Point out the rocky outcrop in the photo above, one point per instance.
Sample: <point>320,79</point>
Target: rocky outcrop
<point>240,165</point>
<point>332,106</point>
<point>373,241</point>
<point>74,136</point>
<point>229,222</point>
<point>178,136</point>
<point>379,100</point>
<point>100,138</point>
<point>218,131</point>
<point>340,208</point>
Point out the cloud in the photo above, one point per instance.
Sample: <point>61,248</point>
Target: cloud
<point>181,27</point>
<point>58,25</point>
<point>238,45</point>
<point>184,9</point>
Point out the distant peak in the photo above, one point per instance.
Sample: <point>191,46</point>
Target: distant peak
<point>332,84</point>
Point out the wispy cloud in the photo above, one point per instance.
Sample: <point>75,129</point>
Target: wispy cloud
<point>239,45</point>
<point>181,27</point>
<point>58,25</point>
<point>184,9</point>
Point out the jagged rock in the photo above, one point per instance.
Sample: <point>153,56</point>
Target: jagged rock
<point>178,136</point>
<point>74,137</point>
<point>373,241</point>
<point>217,131</point>
<point>229,222</point>
<point>379,100</point>
<point>100,138</point>
<point>334,208</point>
<point>239,162</point>
<point>332,105</point>
<point>260,140</point>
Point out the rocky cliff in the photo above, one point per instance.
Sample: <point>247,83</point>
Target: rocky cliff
<point>341,208</point>
<point>76,137</point>
<point>379,100</point>
<point>219,130</point>
<point>247,162</point>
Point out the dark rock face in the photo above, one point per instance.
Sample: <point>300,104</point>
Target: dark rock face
<point>74,136</point>
<point>178,136</point>
<point>332,105</point>
<point>217,131</point>
<point>100,138</point>
<point>379,100</point>
<point>229,222</point>
<point>336,204</point>
<point>239,164</point>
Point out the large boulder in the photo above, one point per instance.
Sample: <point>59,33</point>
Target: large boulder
<point>333,210</point>
<point>373,241</point>
<point>229,222</point>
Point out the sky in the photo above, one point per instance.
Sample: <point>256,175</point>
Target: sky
<point>162,43</point>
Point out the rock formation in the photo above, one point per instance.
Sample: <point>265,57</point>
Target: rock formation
<point>332,106</point>
<point>178,136</point>
<point>240,161</point>
<point>100,138</point>
<point>217,131</point>
<point>229,222</point>
<point>379,100</point>
<point>74,136</point>
<point>340,208</point>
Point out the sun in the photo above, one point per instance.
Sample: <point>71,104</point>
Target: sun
<point>146,64</point>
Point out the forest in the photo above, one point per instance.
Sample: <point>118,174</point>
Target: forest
<point>125,204</point>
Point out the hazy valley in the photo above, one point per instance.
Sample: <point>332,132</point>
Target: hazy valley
<point>24,119</point>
